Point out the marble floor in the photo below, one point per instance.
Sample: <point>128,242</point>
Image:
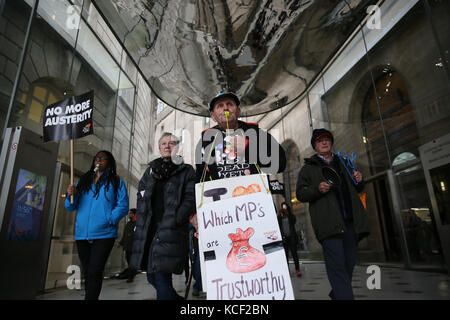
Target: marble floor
<point>395,284</point>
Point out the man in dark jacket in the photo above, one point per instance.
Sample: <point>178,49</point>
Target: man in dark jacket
<point>338,217</point>
<point>165,200</point>
<point>235,148</point>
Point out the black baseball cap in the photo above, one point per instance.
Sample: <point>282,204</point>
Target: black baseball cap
<point>227,94</point>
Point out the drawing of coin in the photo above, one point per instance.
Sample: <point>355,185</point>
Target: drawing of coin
<point>239,191</point>
<point>253,188</point>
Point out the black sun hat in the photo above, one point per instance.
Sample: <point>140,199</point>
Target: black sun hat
<point>227,94</point>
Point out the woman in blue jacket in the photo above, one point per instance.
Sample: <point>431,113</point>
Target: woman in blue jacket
<point>101,200</point>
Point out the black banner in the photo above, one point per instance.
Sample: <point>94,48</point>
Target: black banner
<point>70,118</point>
<point>276,187</point>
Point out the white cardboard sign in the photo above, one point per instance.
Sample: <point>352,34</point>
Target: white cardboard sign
<point>241,251</point>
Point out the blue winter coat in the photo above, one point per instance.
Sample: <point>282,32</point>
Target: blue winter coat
<point>98,217</point>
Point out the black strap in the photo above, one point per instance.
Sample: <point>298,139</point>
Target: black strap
<point>188,286</point>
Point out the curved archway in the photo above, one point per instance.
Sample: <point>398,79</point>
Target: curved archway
<point>30,108</point>
<point>403,158</point>
<point>392,130</point>
<point>388,120</point>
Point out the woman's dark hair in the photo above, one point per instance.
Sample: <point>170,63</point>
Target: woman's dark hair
<point>86,180</point>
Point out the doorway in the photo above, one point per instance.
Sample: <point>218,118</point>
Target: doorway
<point>405,227</point>
<point>63,250</point>
<point>384,232</point>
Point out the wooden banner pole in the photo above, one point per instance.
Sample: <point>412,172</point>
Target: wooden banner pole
<point>71,167</point>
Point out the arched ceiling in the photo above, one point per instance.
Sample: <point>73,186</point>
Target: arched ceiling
<point>268,51</point>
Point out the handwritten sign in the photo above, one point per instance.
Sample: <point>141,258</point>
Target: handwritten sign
<point>240,243</point>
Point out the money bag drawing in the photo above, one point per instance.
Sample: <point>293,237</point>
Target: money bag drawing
<point>242,257</point>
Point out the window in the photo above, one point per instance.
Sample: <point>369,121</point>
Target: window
<point>160,107</point>
<point>183,131</point>
<point>38,97</point>
<point>402,158</point>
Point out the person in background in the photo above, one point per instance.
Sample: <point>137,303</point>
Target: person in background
<point>127,243</point>
<point>286,220</point>
<point>165,201</point>
<point>101,200</point>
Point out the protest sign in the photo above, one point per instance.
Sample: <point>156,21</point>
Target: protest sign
<point>276,187</point>
<point>240,243</point>
<point>70,118</point>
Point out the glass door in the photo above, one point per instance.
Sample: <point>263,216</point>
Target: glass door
<point>63,251</point>
<point>384,239</point>
<point>418,221</point>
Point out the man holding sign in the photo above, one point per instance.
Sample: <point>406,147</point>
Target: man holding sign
<point>240,241</point>
<point>235,148</point>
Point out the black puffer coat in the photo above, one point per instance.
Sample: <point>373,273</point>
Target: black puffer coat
<point>169,246</point>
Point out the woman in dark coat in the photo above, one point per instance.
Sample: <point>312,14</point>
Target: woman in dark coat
<point>165,200</point>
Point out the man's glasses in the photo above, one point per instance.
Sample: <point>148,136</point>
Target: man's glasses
<point>101,158</point>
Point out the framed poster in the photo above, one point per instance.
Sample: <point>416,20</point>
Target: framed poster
<point>28,206</point>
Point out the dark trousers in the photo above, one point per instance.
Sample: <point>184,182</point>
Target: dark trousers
<point>290,244</point>
<point>162,282</point>
<point>129,272</point>
<point>340,258</point>
<point>128,254</point>
<point>93,256</point>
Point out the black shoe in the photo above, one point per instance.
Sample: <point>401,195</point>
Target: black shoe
<point>178,297</point>
<point>331,295</point>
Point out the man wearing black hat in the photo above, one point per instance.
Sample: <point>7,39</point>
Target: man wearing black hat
<point>235,148</point>
<point>338,217</point>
